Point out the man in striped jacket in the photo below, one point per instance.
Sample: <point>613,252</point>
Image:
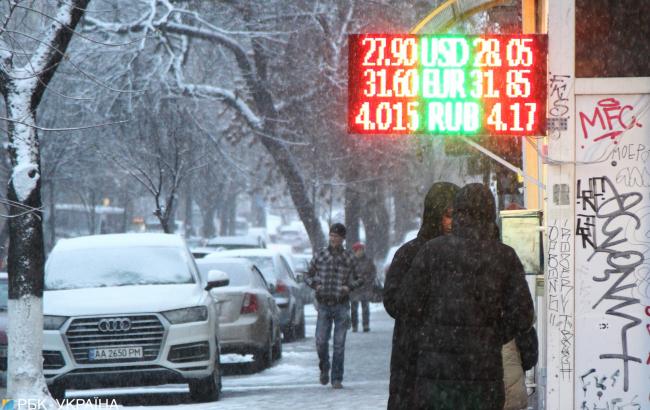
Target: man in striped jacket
<point>333,274</point>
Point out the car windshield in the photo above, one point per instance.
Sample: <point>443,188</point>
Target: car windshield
<point>4,294</point>
<point>238,274</point>
<point>118,266</point>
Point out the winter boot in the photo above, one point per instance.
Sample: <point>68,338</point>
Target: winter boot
<point>324,377</point>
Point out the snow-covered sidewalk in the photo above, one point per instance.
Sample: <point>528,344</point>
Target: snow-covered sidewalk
<point>293,381</point>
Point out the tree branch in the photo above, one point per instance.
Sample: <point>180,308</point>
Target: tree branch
<point>48,56</point>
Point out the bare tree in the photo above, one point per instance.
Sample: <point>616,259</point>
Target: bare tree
<point>157,154</point>
<point>173,27</point>
<point>280,68</point>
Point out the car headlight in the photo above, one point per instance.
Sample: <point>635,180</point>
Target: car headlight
<point>193,314</point>
<point>53,322</point>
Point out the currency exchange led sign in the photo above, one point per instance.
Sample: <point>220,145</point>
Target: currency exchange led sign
<point>447,84</point>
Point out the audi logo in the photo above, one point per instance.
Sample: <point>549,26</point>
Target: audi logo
<point>122,324</point>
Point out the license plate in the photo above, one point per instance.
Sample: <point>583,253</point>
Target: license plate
<point>112,353</point>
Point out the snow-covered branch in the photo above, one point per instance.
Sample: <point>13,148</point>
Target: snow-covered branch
<point>50,52</point>
<point>228,96</point>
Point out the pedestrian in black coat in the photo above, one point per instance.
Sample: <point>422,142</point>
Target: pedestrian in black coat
<point>469,295</point>
<point>435,221</point>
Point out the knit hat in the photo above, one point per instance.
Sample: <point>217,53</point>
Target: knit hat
<point>357,246</point>
<point>339,229</point>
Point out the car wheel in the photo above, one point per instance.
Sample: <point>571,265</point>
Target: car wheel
<point>209,388</point>
<point>277,347</point>
<point>57,391</point>
<point>264,357</point>
<point>288,333</point>
<point>300,330</point>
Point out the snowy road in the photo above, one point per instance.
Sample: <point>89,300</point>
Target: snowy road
<point>293,381</point>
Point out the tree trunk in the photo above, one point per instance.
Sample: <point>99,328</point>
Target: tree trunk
<point>207,215</point>
<point>92,213</point>
<point>52,220</point>
<point>167,217</point>
<point>126,203</point>
<point>258,209</point>
<point>376,220</point>
<point>26,255</point>
<point>223,218</point>
<point>404,214</point>
<point>4,238</point>
<point>352,212</point>
<point>232,215</point>
<point>189,230</point>
<point>165,224</point>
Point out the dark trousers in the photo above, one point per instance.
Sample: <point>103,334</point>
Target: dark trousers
<point>365,314</point>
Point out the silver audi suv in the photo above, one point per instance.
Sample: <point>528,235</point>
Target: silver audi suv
<point>130,310</point>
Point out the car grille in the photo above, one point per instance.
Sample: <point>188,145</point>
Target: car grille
<point>52,360</point>
<point>146,331</point>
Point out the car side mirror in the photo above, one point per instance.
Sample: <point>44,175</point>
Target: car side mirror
<point>217,279</point>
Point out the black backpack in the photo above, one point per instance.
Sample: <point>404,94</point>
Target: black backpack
<point>528,348</point>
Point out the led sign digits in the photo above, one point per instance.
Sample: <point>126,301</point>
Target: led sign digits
<point>447,84</point>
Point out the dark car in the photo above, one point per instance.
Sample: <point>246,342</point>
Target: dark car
<point>4,294</point>
<point>286,289</point>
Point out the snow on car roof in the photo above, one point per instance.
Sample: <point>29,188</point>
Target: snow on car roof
<point>232,240</point>
<point>120,240</point>
<point>223,260</point>
<point>205,249</point>
<point>242,252</point>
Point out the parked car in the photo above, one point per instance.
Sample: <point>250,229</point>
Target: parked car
<point>300,267</point>
<point>130,310</point>
<point>294,235</point>
<point>222,243</point>
<point>286,289</point>
<point>202,251</point>
<point>236,242</point>
<point>4,295</point>
<point>249,319</point>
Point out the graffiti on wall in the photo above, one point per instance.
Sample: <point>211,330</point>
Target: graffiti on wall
<point>612,253</point>
<point>608,120</point>
<point>560,285</point>
<point>609,214</point>
<point>558,95</point>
